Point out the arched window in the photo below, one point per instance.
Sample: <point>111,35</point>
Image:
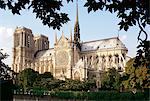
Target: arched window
<point>17,40</point>
<point>123,56</point>
<point>110,58</point>
<point>77,75</point>
<point>119,69</point>
<point>97,59</point>
<point>90,57</point>
<point>103,58</point>
<point>116,58</point>
<point>45,44</point>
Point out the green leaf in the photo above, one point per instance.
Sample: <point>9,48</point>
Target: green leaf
<point>126,27</point>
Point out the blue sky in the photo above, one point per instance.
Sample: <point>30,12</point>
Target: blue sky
<point>95,25</point>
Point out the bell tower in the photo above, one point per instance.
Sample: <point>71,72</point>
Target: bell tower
<point>23,50</point>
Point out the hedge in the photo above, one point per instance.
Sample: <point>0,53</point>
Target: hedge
<point>101,95</point>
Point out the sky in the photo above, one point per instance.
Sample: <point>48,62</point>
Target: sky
<point>93,26</point>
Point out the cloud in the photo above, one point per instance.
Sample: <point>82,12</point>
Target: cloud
<point>6,42</point>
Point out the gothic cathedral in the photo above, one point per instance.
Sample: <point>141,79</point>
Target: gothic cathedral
<point>70,58</point>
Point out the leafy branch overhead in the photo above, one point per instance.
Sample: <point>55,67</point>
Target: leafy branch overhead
<point>5,71</point>
<point>48,11</point>
<point>129,11</point>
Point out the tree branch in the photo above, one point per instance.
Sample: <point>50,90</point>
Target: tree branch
<point>141,30</point>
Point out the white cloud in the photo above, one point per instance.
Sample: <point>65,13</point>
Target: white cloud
<point>6,42</point>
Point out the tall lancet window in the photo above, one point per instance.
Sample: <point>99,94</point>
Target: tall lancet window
<point>17,40</point>
<point>28,41</point>
<point>45,44</point>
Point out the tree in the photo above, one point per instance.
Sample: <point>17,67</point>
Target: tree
<point>76,85</point>
<point>46,75</point>
<point>26,78</point>
<point>43,80</point>
<point>136,77</point>
<point>5,71</point>
<point>111,79</point>
<point>6,79</point>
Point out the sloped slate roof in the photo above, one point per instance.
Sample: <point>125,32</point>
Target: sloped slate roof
<point>45,53</point>
<point>109,43</point>
<point>114,42</point>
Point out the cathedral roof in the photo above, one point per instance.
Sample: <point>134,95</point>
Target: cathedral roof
<point>44,53</point>
<point>108,43</point>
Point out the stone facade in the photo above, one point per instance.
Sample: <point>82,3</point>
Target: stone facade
<point>70,58</point>
<point>66,59</point>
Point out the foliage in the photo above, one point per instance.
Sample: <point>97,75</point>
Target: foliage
<point>129,11</point>
<point>103,95</point>
<point>46,10</point>
<point>111,79</point>
<point>26,78</point>
<point>6,79</point>
<point>29,79</point>
<point>76,85</point>
<point>42,80</point>
<point>136,77</point>
<point>46,75</point>
<point>143,54</point>
<point>6,91</point>
<point>38,91</point>
<point>5,71</point>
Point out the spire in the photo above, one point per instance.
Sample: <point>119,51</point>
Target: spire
<point>70,37</point>
<point>76,27</point>
<point>76,11</point>
<point>118,34</point>
<point>55,37</point>
<point>70,34</point>
<point>63,34</point>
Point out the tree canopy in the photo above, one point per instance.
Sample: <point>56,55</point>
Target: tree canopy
<point>136,77</point>
<point>26,78</point>
<point>5,71</point>
<point>111,79</point>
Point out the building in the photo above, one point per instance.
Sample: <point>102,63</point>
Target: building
<point>70,58</point>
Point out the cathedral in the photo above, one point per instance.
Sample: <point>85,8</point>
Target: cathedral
<point>69,58</point>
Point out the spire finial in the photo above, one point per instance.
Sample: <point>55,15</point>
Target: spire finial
<point>55,37</point>
<point>70,35</point>
<point>76,10</point>
<point>62,33</point>
<point>118,34</point>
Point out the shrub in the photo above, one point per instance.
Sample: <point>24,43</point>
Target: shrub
<point>103,95</point>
